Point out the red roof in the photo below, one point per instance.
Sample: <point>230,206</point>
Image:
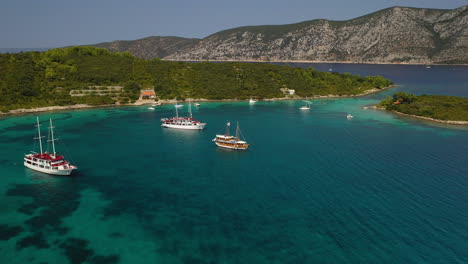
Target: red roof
<point>147,93</point>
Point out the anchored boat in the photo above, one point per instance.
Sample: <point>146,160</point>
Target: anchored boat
<point>45,162</point>
<point>182,122</point>
<point>306,106</point>
<point>231,142</point>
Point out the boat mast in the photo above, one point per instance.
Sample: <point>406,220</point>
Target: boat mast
<point>237,130</point>
<point>227,128</point>
<point>39,132</point>
<point>52,137</point>
<point>190,108</point>
<point>176,110</point>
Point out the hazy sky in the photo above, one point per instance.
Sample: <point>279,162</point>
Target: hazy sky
<point>55,23</point>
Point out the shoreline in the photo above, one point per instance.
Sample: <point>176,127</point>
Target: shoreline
<point>447,122</point>
<point>53,108</point>
<point>172,101</point>
<point>322,62</point>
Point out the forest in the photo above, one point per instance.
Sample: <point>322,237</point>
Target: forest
<point>36,79</point>
<point>440,107</point>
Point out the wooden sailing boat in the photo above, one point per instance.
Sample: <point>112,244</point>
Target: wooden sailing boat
<point>231,142</point>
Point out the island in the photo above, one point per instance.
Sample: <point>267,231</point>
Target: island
<point>77,77</point>
<point>437,108</point>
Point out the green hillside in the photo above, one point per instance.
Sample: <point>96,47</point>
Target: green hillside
<point>150,47</point>
<point>36,79</point>
<point>434,106</point>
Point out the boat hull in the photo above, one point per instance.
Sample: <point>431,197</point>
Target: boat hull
<point>230,146</point>
<point>199,126</point>
<point>62,172</point>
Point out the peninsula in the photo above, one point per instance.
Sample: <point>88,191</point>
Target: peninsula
<point>437,108</point>
<point>88,76</point>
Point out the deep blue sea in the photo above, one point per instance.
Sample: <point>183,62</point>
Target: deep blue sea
<point>313,187</point>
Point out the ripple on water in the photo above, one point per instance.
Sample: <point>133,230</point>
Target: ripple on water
<point>314,187</point>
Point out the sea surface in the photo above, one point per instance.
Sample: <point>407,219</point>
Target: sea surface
<point>313,187</point>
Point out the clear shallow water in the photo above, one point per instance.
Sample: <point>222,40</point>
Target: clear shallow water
<point>313,188</point>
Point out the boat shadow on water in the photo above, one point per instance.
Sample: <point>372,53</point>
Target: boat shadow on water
<point>239,152</point>
<point>37,175</point>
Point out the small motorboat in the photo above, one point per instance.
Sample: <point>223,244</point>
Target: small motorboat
<point>349,116</point>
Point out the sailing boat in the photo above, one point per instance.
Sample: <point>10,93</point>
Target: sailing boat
<point>50,163</point>
<point>231,142</point>
<point>252,101</point>
<point>306,106</point>
<point>183,122</point>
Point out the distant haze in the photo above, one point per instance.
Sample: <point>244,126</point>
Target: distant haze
<point>18,50</point>
<point>57,23</point>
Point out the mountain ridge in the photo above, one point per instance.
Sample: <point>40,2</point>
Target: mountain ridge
<point>393,35</point>
<point>149,47</point>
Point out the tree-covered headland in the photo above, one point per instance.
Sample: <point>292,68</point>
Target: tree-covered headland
<point>88,75</point>
<point>440,107</point>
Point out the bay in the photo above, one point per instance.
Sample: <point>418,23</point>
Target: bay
<point>313,187</point>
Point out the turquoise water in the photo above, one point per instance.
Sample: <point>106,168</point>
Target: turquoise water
<point>313,188</point>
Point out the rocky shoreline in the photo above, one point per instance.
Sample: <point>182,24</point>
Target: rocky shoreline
<point>450,122</point>
<point>322,62</point>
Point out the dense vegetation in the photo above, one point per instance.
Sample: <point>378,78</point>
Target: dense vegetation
<point>150,47</point>
<point>434,106</point>
<point>35,79</point>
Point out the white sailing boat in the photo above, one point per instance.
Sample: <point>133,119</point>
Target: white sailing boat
<point>231,142</point>
<point>306,106</point>
<point>183,122</point>
<point>252,101</point>
<point>50,163</point>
